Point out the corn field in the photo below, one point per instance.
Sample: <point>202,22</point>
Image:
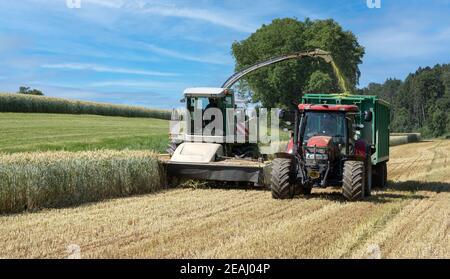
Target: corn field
<point>32,181</point>
<point>40,104</point>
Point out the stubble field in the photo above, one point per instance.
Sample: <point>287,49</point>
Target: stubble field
<point>410,219</point>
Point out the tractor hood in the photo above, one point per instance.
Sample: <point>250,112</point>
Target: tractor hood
<point>320,141</point>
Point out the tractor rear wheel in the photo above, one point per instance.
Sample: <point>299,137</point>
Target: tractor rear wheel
<point>385,175</point>
<point>369,178</point>
<point>380,175</point>
<point>280,182</point>
<point>354,180</point>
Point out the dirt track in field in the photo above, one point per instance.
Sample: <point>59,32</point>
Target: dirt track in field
<point>411,219</point>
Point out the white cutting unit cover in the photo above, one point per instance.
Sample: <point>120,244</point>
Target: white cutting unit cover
<point>192,152</point>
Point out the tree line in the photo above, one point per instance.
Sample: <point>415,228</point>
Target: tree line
<point>420,103</point>
<point>28,91</point>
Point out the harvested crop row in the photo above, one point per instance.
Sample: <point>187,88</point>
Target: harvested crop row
<point>40,104</point>
<point>399,138</point>
<point>31,181</point>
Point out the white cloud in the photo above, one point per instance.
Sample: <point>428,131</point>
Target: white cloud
<point>105,69</point>
<point>211,59</point>
<point>106,3</point>
<point>137,84</point>
<point>224,19</point>
<point>402,42</point>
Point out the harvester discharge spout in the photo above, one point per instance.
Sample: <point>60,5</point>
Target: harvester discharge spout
<point>318,53</point>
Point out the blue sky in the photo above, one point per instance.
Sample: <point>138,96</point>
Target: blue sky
<point>145,52</point>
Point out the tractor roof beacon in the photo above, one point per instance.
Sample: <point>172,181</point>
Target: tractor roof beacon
<point>338,139</point>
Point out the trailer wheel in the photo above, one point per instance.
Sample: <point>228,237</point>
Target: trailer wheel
<point>280,182</point>
<point>354,180</point>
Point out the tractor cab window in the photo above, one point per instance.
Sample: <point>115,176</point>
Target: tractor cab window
<point>351,135</point>
<point>325,124</point>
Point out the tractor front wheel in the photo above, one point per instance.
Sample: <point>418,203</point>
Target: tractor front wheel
<point>280,183</point>
<point>354,180</point>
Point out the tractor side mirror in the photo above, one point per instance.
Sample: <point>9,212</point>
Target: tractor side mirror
<point>183,100</point>
<point>368,116</point>
<point>282,113</point>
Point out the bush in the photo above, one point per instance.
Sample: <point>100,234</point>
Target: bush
<point>28,91</point>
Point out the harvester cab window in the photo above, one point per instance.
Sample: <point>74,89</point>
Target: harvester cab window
<point>212,103</point>
<point>198,103</point>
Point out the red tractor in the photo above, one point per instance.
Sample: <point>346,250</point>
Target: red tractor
<point>330,146</point>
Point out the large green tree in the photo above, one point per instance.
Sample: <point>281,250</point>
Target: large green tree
<point>279,84</point>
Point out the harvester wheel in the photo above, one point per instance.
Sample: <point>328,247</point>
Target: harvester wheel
<point>280,183</point>
<point>354,180</point>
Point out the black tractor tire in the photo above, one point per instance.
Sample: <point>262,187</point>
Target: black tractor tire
<point>380,176</point>
<point>280,182</point>
<point>354,179</point>
<point>369,178</point>
<point>385,175</point>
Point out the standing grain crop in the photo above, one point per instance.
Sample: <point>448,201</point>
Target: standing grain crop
<point>31,181</point>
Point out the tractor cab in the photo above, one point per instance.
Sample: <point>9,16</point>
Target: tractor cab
<point>326,149</point>
<point>325,125</point>
<point>326,136</point>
